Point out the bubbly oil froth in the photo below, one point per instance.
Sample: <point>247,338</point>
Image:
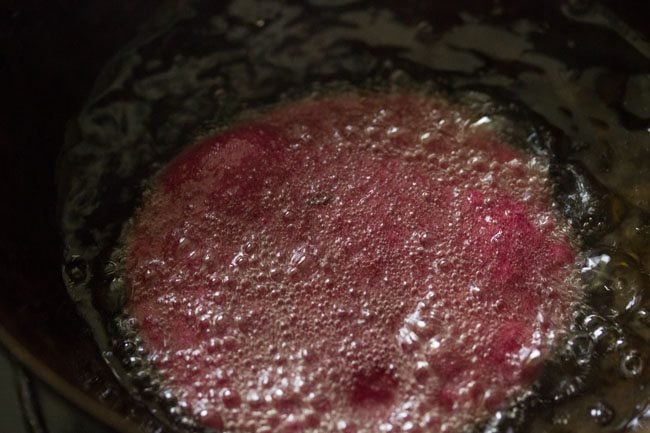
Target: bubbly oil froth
<point>355,263</point>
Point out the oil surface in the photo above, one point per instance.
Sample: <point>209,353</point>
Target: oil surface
<point>572,76</point>
<point>352,262</point>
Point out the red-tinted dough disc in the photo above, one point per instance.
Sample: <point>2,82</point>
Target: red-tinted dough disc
<point>354,263</point>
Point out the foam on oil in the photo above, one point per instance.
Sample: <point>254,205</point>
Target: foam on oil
<point>379,262</point>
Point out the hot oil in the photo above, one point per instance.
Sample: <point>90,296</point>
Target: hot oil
<point>575,78</point>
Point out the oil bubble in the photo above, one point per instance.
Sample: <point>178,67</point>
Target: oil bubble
<point>581,349</point>
<point>632,364</point>
<point>601,413</point>
<point>584,202</point>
